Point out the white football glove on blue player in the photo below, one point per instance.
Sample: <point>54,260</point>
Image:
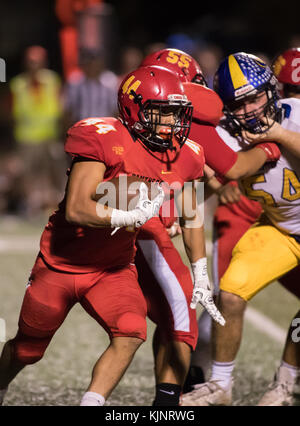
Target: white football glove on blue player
<point>144,210</point>
<point>203,292</point>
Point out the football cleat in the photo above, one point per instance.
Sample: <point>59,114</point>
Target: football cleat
<point>206,394</point>
<point>280,391</point>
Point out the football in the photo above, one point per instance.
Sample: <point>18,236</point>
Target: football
<point>122,192</point>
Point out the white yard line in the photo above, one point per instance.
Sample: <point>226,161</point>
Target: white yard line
<point>265,325</point>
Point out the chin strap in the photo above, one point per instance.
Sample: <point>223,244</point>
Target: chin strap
<point>137,99</point>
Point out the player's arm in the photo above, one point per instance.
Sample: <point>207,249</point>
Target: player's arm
<point>191,221</point>
<point>224,161</point>
<point>83,209</point>
<point>287,138</point>
<point>227,193</point>
<point>248,163</point>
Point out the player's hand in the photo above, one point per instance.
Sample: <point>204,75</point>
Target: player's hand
<point>203,292</point>
<point>174,230</point>
<point>271,132</point>
<point>229,193</point>
<point>145,208</point>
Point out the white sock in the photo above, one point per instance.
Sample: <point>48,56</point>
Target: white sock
<point>222,372</point>
<point>291,370</point>
<point>92,399</point>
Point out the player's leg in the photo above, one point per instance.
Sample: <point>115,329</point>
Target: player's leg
<point>201,358</point>
<point>248,273</point>
<point>229,227</point>
<point>281,389</point>
<point>116,302</point>
<point>167,285</point>
<point>110,368</point>
<point>46,303</point>
<point>291,352</point>
<point>9,368</point>
<point>172,359</point>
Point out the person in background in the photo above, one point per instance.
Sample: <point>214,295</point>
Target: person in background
<point>36,113</point>
<point>131,57</point>
<point>91,93</point>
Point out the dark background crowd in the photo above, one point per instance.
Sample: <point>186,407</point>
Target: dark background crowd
<point>65,60</point>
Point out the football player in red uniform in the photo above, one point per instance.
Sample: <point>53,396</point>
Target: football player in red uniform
<point>161,270</point>
<point>81,261</point>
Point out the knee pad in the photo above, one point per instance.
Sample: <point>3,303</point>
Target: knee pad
<point>132,325</point>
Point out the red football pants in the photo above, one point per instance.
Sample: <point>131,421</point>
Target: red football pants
<point>112,297</point>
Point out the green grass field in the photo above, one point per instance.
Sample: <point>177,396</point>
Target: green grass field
<point>61,377</point>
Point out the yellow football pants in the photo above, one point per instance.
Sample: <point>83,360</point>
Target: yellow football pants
<point>262,255</point>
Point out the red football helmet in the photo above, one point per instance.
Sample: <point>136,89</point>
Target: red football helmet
<point>286,68</point>
<point>146,97</point>
<point>186,67</point>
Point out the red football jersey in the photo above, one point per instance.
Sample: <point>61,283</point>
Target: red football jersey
<point>73,248</point>
<point>218,155</point>
<point>208,106</point>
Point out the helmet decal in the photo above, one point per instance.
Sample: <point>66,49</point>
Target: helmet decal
<point>154,107</point>
<point>186,67</point>
<point>127,87</point>
<point>239,76</point>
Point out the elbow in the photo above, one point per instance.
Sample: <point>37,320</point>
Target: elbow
<point>73,216</point>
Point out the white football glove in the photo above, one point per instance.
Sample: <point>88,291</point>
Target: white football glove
<point>144,210</point>
<point>202,292</point>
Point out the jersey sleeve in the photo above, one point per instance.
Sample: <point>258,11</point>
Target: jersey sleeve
<point>208,106</point>
<point>198,169</point>
<point>83,141</point>
<point>218,155</point>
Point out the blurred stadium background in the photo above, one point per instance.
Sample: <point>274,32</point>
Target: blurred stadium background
<point>122,32</point>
